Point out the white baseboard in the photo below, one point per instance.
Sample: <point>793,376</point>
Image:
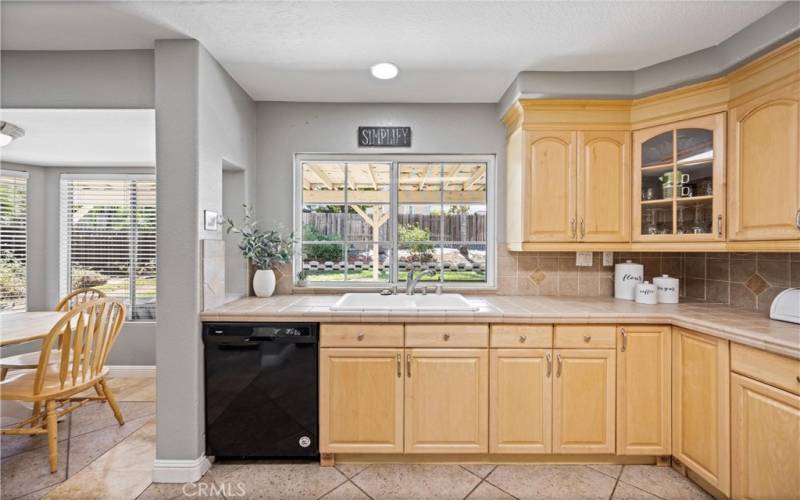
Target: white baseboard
<point>180,471</point>
<point>132,371</point>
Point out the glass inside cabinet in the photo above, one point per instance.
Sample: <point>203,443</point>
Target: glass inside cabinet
<point>679,174</point>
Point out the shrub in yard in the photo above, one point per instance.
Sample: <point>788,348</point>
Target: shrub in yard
<point>83,277</point>
<point>419,248</point>
<point>320,253</point>
<point>12,278</point>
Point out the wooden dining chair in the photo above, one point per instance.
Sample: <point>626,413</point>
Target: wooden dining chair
<point>86,334</point>
<point>29,360</point>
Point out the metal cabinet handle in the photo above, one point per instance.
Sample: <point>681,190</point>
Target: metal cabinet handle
<point>719,225</point>
<point>408,365</point>
<point>446,337</point>
<point>583,228</point>
<point>522,339</point>
<point>560,363</point>
<point>587,338</point>
<point>399,366</point>
<point>624,339</point>
<point>797,219</point>
<point>572,227</point>
<point>360,336</point>
<point>549,364</point>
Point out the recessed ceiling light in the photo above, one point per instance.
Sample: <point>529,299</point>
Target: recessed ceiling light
<point>384,71</point>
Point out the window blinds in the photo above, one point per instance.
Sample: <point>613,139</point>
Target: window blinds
<point>13,240</point>
<point>108,238</point>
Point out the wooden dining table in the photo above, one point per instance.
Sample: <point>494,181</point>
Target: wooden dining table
<point>20,328</point>
<point>28,326</point>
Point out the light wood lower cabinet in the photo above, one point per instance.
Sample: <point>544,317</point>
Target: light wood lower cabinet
<point>447,401</point>
<point>521,388</point>
<point>765,441</point>
<point>643,390</point>
<point>361,401</point>
<point>583,401</point>
<point>701,406</point>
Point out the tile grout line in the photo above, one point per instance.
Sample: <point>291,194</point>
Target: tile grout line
<point>350,480</point>
<point>335,487</point>
<point>614,489</point>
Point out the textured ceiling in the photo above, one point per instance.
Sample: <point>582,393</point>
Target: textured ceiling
<point>446,51</point>
<point>82,137</point>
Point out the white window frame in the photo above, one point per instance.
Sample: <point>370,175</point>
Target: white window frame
<point>64,251</point>
<point>21,174</point>
<point>395,159</point>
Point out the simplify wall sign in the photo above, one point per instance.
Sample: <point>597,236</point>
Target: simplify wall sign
<point>384,137</point>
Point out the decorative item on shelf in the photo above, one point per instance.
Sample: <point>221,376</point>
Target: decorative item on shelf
<point>646,293</point>
<point>649,194</point>
<point>688,190</point>
<point>705,187</point>
<point>671,179</point>
<point>666,289</point>
<point>265,249</point>
<point>626,277</point>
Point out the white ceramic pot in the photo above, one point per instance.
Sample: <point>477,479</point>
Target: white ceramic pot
<point>626,277</point>
<point>646,293</point>
<point>264,283</point>
<point>667,289</point>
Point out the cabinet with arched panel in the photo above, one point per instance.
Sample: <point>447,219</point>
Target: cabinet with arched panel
<point>575,186</point>
<point>679,181</point>
<point>764,166</point>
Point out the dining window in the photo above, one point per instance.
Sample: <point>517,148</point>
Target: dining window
<point>108,238</point>
<point>370,221</point>
<point>13,240</point>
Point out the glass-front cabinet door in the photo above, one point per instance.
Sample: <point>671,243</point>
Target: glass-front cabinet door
<point>678,184</point>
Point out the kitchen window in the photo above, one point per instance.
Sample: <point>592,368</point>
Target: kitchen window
<point>369,221</point>
<point>13,240</point>
<point>108,238</point>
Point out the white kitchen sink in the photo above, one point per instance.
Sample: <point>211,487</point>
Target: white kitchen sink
<point>401,302</point>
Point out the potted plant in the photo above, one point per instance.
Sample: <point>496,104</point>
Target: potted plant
<point>265,249</point>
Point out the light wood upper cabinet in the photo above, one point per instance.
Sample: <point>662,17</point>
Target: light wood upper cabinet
<point>764,167</point>
<point>521,401</point>
<point>361,401</point>
<point>701,405</point>
<point>643,390</point>
<point>550,178</point>
<point>583,401</point>
<point>447,401</point>
<point>576,187</point>
<point>765,441</point>
<point>604,180</point>
<point>679,181</point>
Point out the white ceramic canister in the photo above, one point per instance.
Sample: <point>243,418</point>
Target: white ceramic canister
<point>667,289</point>
<point>626,277</point>
<point>646,293</point>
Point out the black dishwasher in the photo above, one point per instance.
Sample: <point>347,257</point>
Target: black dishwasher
<point>261,390</point>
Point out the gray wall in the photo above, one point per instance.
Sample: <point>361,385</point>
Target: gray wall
<point>203,120</point>
<point>77,79</point>
<point>286,128</point>
<point>772,30</point>
<point>73,79</point>
<point>136,344</point>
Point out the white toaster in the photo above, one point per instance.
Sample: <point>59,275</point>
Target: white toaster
<point>786,306</point>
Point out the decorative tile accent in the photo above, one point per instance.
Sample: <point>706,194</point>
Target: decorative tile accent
<point>756,284</point>
<point>537,276</point>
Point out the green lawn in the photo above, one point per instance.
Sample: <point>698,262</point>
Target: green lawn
<point>145,287</point>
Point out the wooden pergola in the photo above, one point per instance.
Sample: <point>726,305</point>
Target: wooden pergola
<point>369,184</point>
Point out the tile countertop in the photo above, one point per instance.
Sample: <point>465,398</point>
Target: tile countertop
<point>745,327</point>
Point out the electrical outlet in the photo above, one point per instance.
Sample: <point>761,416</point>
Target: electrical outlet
<point>608,258</point>
<point>583,259</point>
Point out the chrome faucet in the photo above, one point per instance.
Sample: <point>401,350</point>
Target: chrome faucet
<point>411,280</point>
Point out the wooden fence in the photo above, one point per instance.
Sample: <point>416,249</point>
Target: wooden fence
<point>466,227</point>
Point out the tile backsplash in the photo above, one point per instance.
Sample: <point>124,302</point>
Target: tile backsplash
<point>748,280</point>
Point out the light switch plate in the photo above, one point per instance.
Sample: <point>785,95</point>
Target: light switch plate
<point>583,259</point>
<point>608,258</point>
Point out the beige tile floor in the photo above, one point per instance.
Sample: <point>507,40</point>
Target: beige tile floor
<point>100,460</point>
